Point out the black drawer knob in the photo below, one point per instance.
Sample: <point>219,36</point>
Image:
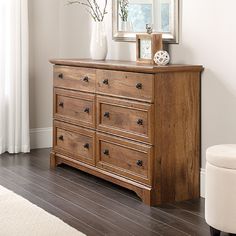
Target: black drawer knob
<point>106,152</point>
<point>106,114</point>
<point>61,104</point>
<point>105,81</point>
<point>86,145</point>
<point>86,79</point>
<point>60,76</point>
<point>140,122</point>
<point>86,110</point>
<point>61,137</point>
<point>139,163</point>
<point>139,86</point>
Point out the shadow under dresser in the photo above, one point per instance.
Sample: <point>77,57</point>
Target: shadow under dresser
<point>135,125</point>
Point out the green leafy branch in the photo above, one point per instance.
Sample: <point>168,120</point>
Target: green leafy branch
<point>124,5</point>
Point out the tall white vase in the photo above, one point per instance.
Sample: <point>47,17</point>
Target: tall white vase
<point>98,44</point>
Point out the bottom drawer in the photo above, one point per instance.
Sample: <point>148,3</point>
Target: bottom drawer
<point>74,141</point>
<point>123,157</point>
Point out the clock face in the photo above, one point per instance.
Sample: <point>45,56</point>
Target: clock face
<point>145,49</point>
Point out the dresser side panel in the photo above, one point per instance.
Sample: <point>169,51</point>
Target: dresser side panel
<point>177,136</point>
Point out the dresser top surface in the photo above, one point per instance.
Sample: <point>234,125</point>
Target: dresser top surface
<point>126,65</point>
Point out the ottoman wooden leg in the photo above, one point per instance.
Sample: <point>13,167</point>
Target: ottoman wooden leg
<point>214,232</point>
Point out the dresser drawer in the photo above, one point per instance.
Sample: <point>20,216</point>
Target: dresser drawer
<point>76,142</point>
<point>76,78</point>
<point>126,158</point>
<point>125,118</point>
<point>74,107</point>
<point>138,86</point>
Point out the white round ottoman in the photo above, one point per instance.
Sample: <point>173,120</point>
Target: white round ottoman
<point>220,202</point>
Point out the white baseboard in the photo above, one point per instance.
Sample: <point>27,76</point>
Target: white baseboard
<point>202,183</point>
<point>41,138</point>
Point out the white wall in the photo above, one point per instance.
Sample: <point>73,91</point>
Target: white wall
<point>75,31</point>
<point>44,44</point>
<point>207,38</point>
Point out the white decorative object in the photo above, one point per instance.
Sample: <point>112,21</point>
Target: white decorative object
<point>220,204</point>
<point>162,58</point>
<point>126,26</point>
<point>98,45</point>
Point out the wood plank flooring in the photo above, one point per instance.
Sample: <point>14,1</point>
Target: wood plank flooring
<point>92,205</point>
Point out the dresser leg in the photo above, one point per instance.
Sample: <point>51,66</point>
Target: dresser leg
<point>214,232</point>
<point>145,195</point>
<point>52,160</point>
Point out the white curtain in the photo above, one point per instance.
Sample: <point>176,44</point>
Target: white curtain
<point>14,94</point>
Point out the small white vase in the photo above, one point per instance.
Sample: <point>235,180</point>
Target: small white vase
<point>126,26</point>
<point>98,44</point>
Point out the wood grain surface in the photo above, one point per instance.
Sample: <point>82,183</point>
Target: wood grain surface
<point>125,158</point>
<point>126,66</point>
<point>75,107</point>
<point>82,79</point>
<point>138,86</point>
<point>178,135</point>
<point>74,141</point>
<point>126,118</point>
<point>140,122</point>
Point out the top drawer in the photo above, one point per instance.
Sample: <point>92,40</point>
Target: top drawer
<point>77,78</point>
<point>138,86</point>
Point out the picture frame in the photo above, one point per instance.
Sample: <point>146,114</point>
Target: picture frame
<point>146,47</point>
<point>164,11</point>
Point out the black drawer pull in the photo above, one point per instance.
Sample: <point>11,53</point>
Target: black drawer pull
<point>105,81</point>
<point>139,86</point>
<point>106,114</point>
<point>106,152</point>
<point>60,76</point>
<point>86,110</point>
<point>61,104</point>
<point>86,145</point>
<point>86,79</point>
<point>140,122</point>
<point>61,137</point>
<point>139,163</point>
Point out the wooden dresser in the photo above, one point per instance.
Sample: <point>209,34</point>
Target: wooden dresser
<point>137,126</point>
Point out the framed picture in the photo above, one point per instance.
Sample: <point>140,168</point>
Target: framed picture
<point>146,47</point>
<point>163,15</point>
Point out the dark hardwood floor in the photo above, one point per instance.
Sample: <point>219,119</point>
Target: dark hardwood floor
<point>92,205</point>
